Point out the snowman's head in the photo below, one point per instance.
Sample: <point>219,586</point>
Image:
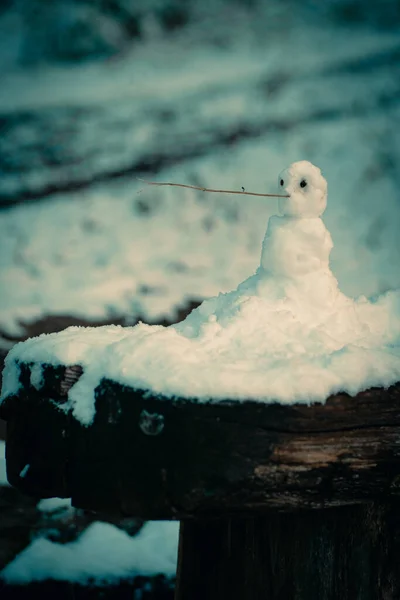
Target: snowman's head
<point>306,189</point>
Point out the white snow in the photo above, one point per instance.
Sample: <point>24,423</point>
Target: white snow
<point>3,473</point>
<point>95,254</point>
<point>37,376</point>
<point>286,334</point>
<point>102,553</point>
<point>50,505</point>
<point>306,191</point>
<point>181,65</point>
<point>24,471</point>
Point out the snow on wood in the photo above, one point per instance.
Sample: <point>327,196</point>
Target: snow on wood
<point>206,459</point>
<point>284,340</point>
<point>286,334</point>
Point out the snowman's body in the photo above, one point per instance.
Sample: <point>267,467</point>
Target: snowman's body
<point>294,247</point>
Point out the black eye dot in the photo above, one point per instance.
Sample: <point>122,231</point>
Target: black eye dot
<point>303,183</point>
<point>281,182</point>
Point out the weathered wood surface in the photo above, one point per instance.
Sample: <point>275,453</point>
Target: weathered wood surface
<point>346,553</point>
<point>208,459</point>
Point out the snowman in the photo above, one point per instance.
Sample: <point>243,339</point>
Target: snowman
<point>293,283</point>
<point>297,245</point>
<point>297,242</point>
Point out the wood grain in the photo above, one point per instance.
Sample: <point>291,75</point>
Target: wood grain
<point>212,459</point>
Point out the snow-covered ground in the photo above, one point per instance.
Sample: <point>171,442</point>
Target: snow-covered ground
<point>102,554</point>
<point>328,95</point>
<point>100,253</point>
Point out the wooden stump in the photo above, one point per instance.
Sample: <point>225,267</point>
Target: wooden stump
<point>278,502</point>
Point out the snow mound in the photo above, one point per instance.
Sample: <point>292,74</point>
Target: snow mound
<point>287,334</point>
<point>152,551</point>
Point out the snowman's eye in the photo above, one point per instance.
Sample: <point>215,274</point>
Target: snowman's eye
<point>303,183</point>
<point>281,182</point>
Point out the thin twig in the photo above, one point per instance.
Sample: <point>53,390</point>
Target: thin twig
<point>203,189</point>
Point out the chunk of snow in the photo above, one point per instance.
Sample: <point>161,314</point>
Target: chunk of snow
<point>286,334</point>
<point>102,552</point>
<point>3,472</point>
<point>50,505</point>
<point>37,376</point>
<point>24,471</point>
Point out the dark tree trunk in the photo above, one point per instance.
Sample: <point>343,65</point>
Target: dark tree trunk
<point>346,553</point>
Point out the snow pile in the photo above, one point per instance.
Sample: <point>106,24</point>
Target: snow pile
<point>102,553</point>
<point>52,505</point>
<point>286,334</point>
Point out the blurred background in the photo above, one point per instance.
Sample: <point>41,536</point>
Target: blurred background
<point>95,94</point>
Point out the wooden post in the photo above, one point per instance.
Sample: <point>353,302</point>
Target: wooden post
<point>275,502</point>
<point>349,553</point>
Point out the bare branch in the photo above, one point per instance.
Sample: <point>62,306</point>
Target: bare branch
<point>203,189</point>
